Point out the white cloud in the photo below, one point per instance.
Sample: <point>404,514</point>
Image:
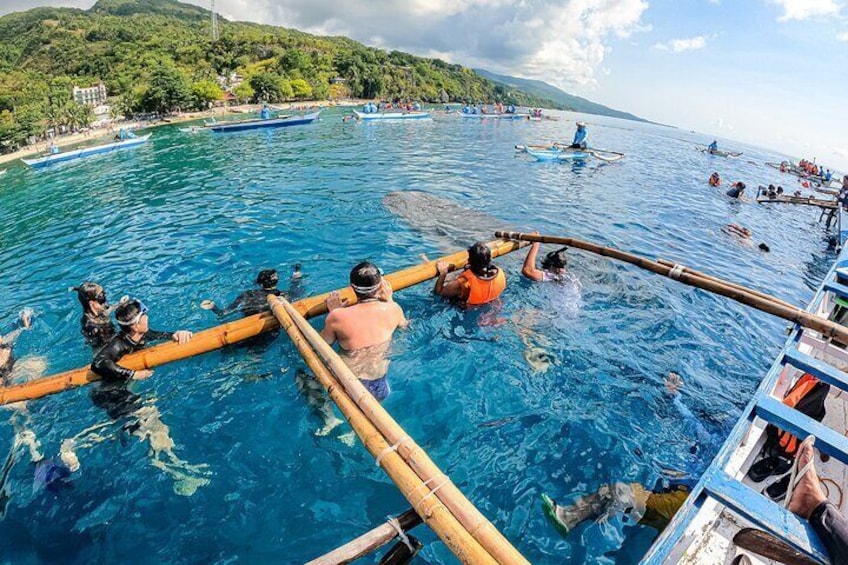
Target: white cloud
<point>681,45</point>
<point>842,36</point>
<point>806,9</point>
<point>562,41</point>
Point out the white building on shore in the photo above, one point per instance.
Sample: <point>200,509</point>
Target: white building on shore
<point>92,96</point>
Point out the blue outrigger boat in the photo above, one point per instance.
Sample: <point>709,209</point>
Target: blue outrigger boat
<point>726,507</point>
<point>281,122</point>
<point>62,157</point>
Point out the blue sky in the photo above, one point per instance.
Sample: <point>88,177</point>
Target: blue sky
<point>768,72</point>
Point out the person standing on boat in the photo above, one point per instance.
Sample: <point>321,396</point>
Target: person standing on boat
<point>479,283</point>
<point>265,113</point>
<point>581,136</point>
<point>96,325</point>
<point>713,147</point>
<point>364,330</point>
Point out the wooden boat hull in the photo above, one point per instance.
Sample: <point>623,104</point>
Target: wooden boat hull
<point>563,155</point>
<point>85,152</point>
<point>265,124</point>
<point>384,116</point>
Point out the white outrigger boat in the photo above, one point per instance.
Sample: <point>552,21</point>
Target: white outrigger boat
<point>726,508</point>
<point>61,157</point>
<point>414,115</point>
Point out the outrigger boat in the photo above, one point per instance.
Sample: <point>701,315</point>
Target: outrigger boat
<point>391,116</point>
<point>280,122</point>
<point>61,157</point>
<point>726,513</point>
<point>564,152</point>
<point>493,116</point>
<point>718,152</point>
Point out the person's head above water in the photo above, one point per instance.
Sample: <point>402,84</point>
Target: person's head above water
<point>555,261</point>
<point>366,279</point>
<point>132,316</point>
<point>268,279</point>
<point>91,296</point>
<point>581,125</point>
<point>480,259</point>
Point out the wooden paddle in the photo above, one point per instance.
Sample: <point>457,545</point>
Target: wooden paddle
<point>770,547</point>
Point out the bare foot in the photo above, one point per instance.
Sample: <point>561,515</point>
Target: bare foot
<point>808,494</point>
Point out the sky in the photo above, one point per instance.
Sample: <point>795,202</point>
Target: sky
<point>767,72</point>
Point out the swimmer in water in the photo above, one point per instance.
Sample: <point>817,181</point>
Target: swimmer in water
<point>113,395</point>
<point>479,283</point>
<point>364,330</point>
<point>553,265</point>
<point>715,180</point>
<point>743,234</point>
<point>654,508</point>
<point>96,325</point>
<point>48,472</point>
<point>736,190</point>
<point>255,301</point>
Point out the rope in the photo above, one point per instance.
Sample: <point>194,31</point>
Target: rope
<point>676,271</point>
<point>433,491</point>
<point>390,449</point>
<point>395,523</point>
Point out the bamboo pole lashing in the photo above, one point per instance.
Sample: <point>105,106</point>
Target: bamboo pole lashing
<point>230,332</point>
<point>368,542</point>
<point>430,508</point>
<point>467,514</point>
<point>769,305</point>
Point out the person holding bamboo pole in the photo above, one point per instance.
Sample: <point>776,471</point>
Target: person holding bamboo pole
<point>364,330</point>
<point>481,282</point>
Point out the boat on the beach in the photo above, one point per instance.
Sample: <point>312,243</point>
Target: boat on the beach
<point>391,116</point>
<point>61,157</point>
<point>279,122</point>
<point>727,513</point>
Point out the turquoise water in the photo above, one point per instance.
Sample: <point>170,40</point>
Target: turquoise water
<point>190,217</point>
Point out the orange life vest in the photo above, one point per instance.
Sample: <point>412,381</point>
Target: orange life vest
<point>805,385</point>
<point>482,291</point>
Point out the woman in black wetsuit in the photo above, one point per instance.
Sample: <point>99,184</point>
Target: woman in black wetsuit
<point>96,325</point>
<point>113,395</point>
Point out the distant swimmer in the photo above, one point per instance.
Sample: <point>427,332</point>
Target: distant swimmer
<point>364,330</point>
<point>553,265</point>
<point>113,393</point>
<point>96,325</point>
<point>581,137</point>
<point>254,301</point>
<point>713,147</point>
<point>744,236</point>
<point>479,283</point>
<point>736,190</point>
<point>715,180</point>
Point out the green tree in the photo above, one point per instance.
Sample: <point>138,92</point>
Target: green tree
<point>168,90</point>
<point>244,92</point>
<point>301,89</point>
<point>204,92</point>
<point>269,87</point>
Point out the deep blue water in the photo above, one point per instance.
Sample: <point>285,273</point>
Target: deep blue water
<point>189,217</point>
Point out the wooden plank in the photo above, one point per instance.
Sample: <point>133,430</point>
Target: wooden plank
<point>767,515</point>
<point>368,542</point>
<point>800,425</point>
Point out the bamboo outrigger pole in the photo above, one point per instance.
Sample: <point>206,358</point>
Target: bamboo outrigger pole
<point>758,300</point>
<point>420,494</point>
<point>230,333</point>
<point>467,514</point>
<point>369,541</point>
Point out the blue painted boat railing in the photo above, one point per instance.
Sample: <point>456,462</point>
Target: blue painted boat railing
<point>718,485</point>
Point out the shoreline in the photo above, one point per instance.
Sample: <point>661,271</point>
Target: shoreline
<point>104,134</point>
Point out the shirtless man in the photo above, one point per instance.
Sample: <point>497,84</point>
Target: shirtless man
<point>364,330</point>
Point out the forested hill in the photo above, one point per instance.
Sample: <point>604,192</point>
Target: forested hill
<point>159,56</point>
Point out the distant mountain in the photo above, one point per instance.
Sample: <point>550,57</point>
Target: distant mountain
<point>544,90</point>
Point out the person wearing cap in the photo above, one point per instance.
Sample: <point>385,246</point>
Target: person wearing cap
<point>581,136</point>
<point>254,301</point>
<point>96,325</point>
<point>364,330</point>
